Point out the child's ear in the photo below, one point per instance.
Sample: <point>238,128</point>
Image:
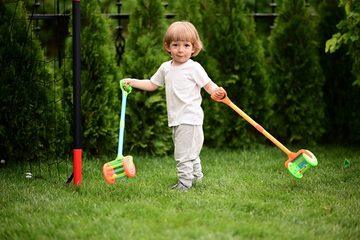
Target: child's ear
<point>193,51</point>
<point>167,48</point>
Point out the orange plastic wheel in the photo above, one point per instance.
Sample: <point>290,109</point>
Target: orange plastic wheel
<point>108,173</point>
<point>129,166</point>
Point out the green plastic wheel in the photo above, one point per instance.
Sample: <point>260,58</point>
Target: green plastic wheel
<point>294,170</point>
<point>311,160</point>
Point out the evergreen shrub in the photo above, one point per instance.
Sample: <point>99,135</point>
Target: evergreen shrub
<point>297,79</point>
<point>100,91</point>
<point>241,63</point>
<point>26,125</point>
<point>146,124</point>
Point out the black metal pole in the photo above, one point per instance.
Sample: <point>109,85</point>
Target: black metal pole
<point>77,152</point>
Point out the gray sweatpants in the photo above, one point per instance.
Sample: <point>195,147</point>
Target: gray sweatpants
<point>188,142</point>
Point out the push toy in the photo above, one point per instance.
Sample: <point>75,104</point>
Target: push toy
<point>297,162</point>
<point>122,166</point>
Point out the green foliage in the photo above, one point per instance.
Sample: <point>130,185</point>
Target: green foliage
<point>146,124</point>
<point>27,125</point>
<point>297,79</point>
<point>342,123</point>
<point>31,110</point>
<point>192,11</point>
<point>349,34</point>
<point>241,63</point>
<point>99,79</point>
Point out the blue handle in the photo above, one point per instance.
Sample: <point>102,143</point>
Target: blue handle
<point>122,117</point>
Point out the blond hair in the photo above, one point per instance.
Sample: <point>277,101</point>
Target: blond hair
<point>183,31</point>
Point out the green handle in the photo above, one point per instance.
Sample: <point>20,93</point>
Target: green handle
<point>127,91</point>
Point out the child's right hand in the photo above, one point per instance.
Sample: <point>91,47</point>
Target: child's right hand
<point>127,82</point>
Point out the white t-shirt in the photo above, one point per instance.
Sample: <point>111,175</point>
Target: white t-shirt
<point>182,87</point>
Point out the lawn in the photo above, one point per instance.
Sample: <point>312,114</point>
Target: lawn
<point>246,194</point>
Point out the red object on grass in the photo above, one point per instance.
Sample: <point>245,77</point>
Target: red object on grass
<point>77,161</point>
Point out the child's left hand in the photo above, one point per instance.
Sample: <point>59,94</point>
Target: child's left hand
<point>218,94</point>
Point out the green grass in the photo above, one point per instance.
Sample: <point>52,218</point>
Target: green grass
<point>246,194</point>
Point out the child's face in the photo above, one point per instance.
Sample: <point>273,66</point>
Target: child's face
<point>180,51</point>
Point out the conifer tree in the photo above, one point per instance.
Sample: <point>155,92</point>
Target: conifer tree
<point>100,82</point>
<point>234,44</point>
<point>297,79</point>
<point>144,53</point>
<point>24,122</point>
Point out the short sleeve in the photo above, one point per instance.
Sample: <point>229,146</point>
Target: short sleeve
<point>159,77</point>
<point>200,76</point>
